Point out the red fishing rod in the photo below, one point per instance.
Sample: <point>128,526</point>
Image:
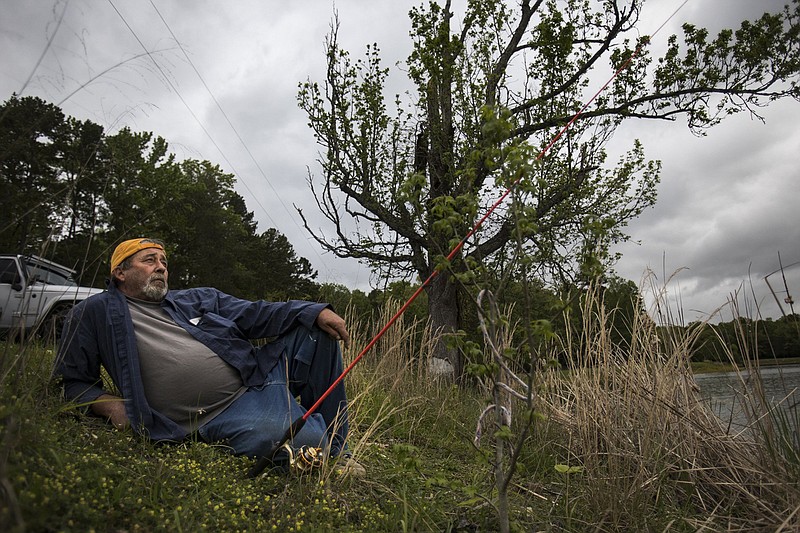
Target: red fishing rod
<point>298,424</point>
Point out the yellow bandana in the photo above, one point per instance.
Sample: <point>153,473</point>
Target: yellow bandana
<point>130,247</point>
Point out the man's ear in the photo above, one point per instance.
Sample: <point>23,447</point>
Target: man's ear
<point>118,274</point>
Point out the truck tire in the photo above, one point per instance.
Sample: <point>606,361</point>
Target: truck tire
<point>52,325</point>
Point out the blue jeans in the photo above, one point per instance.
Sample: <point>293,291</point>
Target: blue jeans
<point>255,423</point>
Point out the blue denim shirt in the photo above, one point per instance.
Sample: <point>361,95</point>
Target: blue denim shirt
<point>99,331</point>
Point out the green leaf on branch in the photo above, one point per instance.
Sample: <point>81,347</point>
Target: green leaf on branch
<point>566,469</point>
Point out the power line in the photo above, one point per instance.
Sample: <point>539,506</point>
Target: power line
<point>227,119</point>
<point>188,107</point>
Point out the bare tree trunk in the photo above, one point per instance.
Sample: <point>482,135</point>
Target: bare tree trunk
<point>443,307</point>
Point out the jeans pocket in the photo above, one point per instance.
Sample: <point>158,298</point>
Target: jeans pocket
<point>202,432</point>
<point>302,359</point>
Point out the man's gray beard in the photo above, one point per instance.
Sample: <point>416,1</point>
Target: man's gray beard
<point>154,292</point>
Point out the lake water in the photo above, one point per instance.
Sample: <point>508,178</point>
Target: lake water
<point>724,393</point>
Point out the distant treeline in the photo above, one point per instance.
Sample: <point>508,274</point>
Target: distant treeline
<point>71,192</point>
<point>622,308</point>
<point>745,338</point>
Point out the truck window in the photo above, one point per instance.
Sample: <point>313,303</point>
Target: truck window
<point>8,271</point>
<point>47,275</point>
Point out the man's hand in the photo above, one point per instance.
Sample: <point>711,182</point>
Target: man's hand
<point>112,408</point>
<point>333,325</point>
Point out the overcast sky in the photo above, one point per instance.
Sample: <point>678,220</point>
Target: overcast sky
<point>727,201</point>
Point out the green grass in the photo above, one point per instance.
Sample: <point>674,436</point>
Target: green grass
<point>66,471</point>
<point>708,367</point>
<point>621,445</point>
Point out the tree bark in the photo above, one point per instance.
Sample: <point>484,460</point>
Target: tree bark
<point>444,309</point>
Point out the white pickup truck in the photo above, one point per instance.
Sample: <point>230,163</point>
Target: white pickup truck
<point>35,295</point>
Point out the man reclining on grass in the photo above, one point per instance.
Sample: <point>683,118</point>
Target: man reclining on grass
<point>185,365</point>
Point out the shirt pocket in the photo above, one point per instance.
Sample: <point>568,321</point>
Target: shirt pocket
<point>224,337</point>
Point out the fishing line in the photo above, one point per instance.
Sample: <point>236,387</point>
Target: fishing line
<point>46,48</point>
<point>297,425</point>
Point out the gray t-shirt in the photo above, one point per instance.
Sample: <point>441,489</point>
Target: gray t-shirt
<point>183,378</point>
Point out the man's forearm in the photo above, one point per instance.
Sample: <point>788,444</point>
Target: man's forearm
<point>112,408</point>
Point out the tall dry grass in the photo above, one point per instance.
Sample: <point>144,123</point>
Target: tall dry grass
<point>392,379</point>
<point>648,444</point>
